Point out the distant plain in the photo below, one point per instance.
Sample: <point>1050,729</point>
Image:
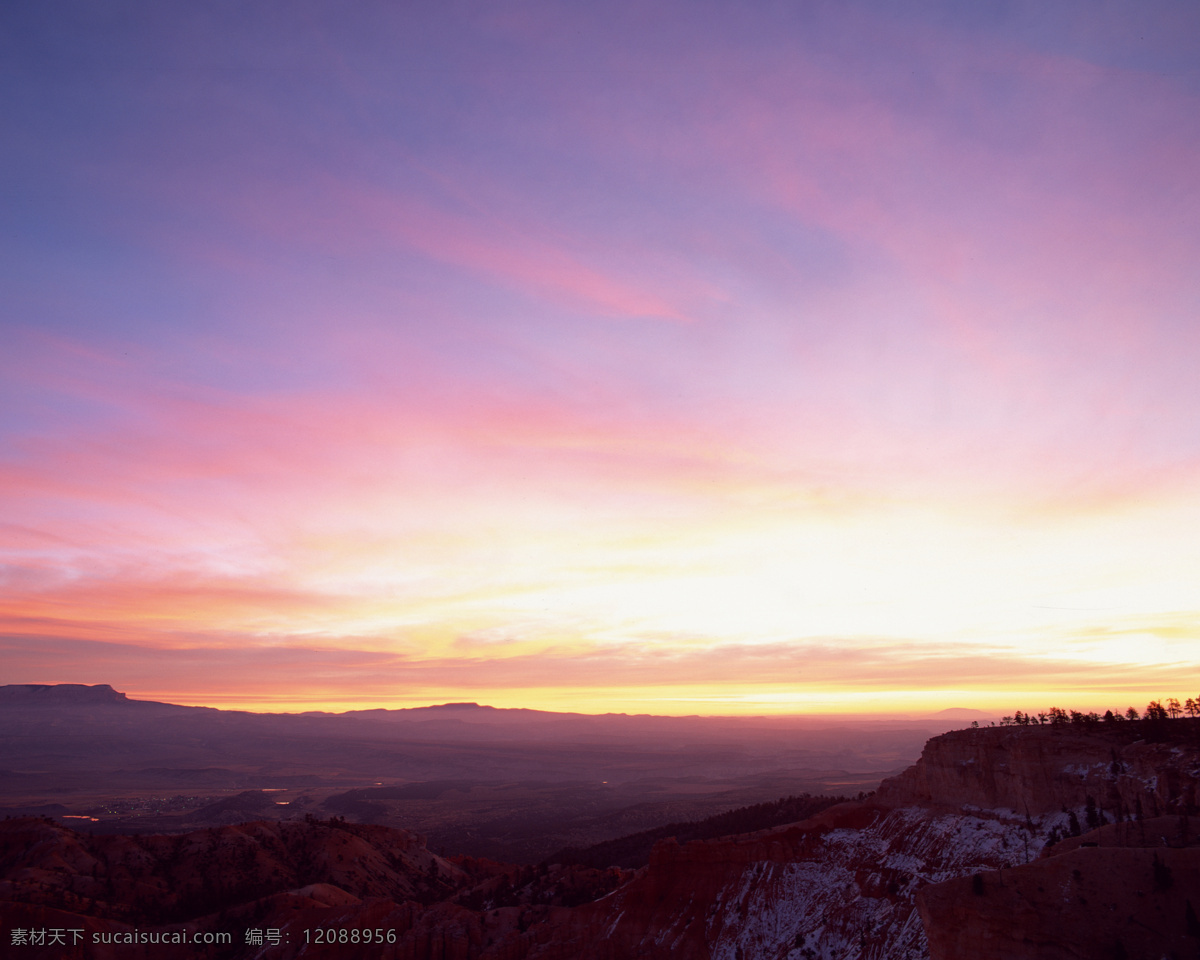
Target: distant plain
<point>509,784</point>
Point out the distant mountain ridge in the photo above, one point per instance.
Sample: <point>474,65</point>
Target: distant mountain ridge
<point>528,782</point>
<point>177,737</point>
<point>105,693</point>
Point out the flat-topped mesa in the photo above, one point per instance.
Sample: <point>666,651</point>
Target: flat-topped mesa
<point>1126,768</point>
<point>33,694</point>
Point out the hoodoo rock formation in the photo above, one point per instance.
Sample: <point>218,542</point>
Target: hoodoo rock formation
<point>955,858</point>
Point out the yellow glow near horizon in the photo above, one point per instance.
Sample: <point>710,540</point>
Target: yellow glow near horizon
<point>892,572</point>
<point>708,701</point>
<point>887,608</point>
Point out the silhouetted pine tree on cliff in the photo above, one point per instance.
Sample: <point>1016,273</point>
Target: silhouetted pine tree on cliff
<point>1152,723</point>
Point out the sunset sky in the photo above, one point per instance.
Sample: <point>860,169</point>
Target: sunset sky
<point>655,357</point>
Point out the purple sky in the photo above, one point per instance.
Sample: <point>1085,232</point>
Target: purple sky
<point>659,357</point>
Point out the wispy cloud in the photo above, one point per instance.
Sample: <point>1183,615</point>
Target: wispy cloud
<point>613,350</point>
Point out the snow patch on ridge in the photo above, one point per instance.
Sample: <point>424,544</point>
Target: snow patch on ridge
<point>860,888</point>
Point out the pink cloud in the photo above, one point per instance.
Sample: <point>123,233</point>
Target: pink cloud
<point>1060,216</point>
<point>913,266</point>
<point>344,217</point>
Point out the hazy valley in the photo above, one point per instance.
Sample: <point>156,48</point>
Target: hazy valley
<point>511,784</point>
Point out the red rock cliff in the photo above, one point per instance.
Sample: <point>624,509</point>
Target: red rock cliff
<point>1041,769</point>
<point>1128,890</point>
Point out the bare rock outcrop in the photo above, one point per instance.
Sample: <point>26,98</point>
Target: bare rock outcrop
<point>1128,891</point>
<point>841,884</point>
<point>1042,769</point>
<point>845,883</point>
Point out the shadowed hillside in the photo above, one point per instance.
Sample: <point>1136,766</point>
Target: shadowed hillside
<point>513,785</point>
